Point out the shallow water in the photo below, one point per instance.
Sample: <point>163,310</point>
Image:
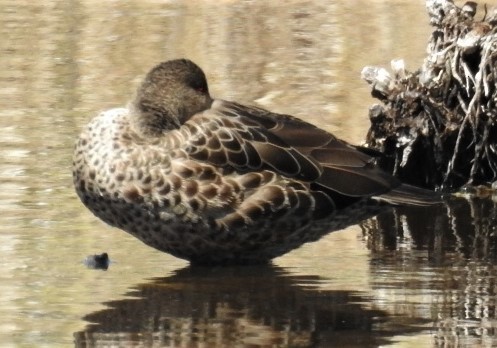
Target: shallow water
<point>411,277</point>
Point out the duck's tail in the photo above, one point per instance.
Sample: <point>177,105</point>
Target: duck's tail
<point>410,195</point>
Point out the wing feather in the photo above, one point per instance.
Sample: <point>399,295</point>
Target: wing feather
<point>249,138</point>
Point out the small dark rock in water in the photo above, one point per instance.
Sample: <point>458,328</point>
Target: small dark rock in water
<point>97,261</point>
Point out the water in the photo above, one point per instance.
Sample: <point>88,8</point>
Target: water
<point>407,278</point>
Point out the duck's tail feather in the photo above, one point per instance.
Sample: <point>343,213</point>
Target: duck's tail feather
<point>410,195</point>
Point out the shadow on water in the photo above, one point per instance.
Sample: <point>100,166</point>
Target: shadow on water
<point>445,259</point>
<point>245,306</point>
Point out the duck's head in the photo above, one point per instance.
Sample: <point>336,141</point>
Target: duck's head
<point>170,94</point>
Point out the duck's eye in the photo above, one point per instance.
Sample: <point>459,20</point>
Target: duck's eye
<point>198,86</point>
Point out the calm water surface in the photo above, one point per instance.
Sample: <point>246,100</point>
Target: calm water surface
<point>408,278</point>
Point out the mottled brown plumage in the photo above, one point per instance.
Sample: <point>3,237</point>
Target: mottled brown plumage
<point>213,181</point>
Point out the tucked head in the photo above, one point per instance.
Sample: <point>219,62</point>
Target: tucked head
<point>170,94</point>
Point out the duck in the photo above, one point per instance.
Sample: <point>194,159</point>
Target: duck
<point>216,182</point>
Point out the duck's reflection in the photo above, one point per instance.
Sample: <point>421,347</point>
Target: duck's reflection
<point>444,261</point>
<point>227,307</point>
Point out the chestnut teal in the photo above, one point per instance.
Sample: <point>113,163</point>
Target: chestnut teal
<point>216,182</point>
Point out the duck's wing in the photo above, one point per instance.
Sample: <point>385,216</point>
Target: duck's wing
<point>250,139</point>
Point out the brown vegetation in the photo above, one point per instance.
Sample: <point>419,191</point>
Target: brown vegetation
<point>437,126</point>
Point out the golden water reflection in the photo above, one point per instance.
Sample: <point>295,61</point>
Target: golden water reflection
<point>63,61</point>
